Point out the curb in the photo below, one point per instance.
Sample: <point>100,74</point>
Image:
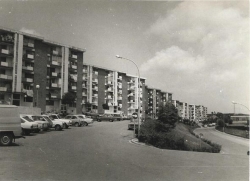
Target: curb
<point>135,141</point>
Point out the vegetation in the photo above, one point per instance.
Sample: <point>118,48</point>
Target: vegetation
<point>165,132</point>
<point>68,98</point>
<point>168,115</point>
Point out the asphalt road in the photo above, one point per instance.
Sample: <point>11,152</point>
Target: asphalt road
<point>230,144</point>
<point>103,152</point>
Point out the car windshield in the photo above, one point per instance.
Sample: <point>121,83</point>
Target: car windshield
<point>59,117</point>
<point>38,118</point>
<point>81,117</point>
<point>28,119</point>
<point>47,118</point>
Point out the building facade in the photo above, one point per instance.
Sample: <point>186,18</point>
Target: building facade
<point>36,72</point>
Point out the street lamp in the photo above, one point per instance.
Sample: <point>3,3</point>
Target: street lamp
<point>239,104</point>
<point>37,87</point>
<point>25,97</point>
<point>139,93</point>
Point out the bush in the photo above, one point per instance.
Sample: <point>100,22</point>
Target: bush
<point>156,133</point>
<point>221,123</point>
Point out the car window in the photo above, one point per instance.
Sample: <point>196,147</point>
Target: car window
<point>81,117</point>
<point>74,117</point>
<point>67,117</point>
<point>28,119</point>
<point>22,121</point>
<point>38,118</point>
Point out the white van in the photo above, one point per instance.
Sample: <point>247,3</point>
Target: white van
<point>10,124</point>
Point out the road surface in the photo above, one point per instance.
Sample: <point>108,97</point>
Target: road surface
<point>103,152</point>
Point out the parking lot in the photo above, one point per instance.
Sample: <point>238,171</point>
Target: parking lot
<point>61,155</point>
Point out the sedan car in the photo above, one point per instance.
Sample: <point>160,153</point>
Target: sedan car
<point>106,117</point>
<point>86,120</point>
<point>58,125</point>
<point>76,120</point>
<point>42,125</point>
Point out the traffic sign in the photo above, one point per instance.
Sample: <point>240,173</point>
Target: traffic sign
<point>134,115</point>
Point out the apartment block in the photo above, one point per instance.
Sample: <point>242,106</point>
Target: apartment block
<point>37,72</point>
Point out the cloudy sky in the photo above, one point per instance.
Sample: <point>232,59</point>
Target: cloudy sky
<point>198,50</point>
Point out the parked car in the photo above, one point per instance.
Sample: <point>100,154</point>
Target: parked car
<point>76,120</point>
<point>42,125</point>
<point>10,126</point>
<point>41,118</point>
<point>86,120</point>
<point>28,126</point>
<point>118,116</point>
<point>92,115</point>
<point>106,117</point>
<point>58,125</point>
<point>58,118</point>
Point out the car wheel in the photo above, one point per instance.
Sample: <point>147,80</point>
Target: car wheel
<point>84,124</point>
<point>98,120</point>
<point>58,128</point>
<point>6,139</point>
<point>76,124</point>
<point>111,120</point>
<point>37,131</point>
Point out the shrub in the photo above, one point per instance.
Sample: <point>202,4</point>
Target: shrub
<point>221,123</point>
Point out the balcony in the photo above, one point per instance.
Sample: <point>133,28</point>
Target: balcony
<point>108,83</point>
<point>28,68</point>
<point>74,56</point>
<point>94,80</point>
<point>94,102</point>
<point>4,51</point>
<point>84,94</point>
<point>54,74</point>
<point>73,87</point>
<point>73,67</point>
<point>109,90</point>
<point>109,97</point>
<point>55,63</point>
<point>84,78</point>
<point>30,80</point>
<point>131,95</point>
<point>55,85</point>
<point>30,56</point>
<point>84,70</point>
<point>120,98</point>
<point>119,77</point>
<point>94,95</point>
<point>55,96</point>
<point>3,89</point>
<point>95,88</point>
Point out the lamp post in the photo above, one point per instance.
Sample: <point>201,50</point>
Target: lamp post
<point>139,93</point>
<point>25,97</point>
<point>239,104</point>
<point>37,87</point>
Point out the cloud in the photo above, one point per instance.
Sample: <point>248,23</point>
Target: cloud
<point>29,31</point>
<point>207,49</point>
<point>174,59</point>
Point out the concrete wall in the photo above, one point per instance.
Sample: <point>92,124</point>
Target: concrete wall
<point>40,74</point>
<point>79,83</point>
<point>29,110</point>
<point>101,90</point>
